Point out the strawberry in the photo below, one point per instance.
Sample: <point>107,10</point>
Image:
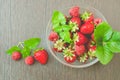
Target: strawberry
<point>76,20</point>
<point>87,28</point>
<point>58,46</point>
<point>41,56</point>
<point>83,58</point>
<point>79,49</point>
<point>79,39</point>
<point>92,37</point>
<point>69,55</point>
<point>29,60</point>
<point>91,52</point>
<point>90,43</point>
<point>87,17</point>
<point>97,21</point>
<point>53,36</point>
<point>16,55</point>
<point>74,11</point>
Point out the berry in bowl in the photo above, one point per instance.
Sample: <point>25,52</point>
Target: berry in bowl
<point>80,37</point>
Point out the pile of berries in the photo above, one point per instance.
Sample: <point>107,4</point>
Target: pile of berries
<point>82,34</point>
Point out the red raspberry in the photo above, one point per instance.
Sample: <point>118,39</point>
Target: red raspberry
<point>29,60</point>
<point>16,56</point>
<point>74,11</point>
<point>53,36</point>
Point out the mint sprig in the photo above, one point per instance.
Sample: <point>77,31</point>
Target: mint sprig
<point>107,41</point>
<point>25,47</point>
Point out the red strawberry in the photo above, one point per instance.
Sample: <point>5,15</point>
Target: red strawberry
<point>69,55</point>
<point>16,55</point>
<point>41,56</point>
<point>92,37</point>
<point>74,11</point>
<point>80,49</point>
<point>55,49</point>
<point>29,60</point>
<point>90,43</point>
<point>53,36</point>
<point>87,17</point>
<point>81,39</point>
<point>91,52</point>
<point>97,21</point>
<point>87,28</point>
<point>76,20</point>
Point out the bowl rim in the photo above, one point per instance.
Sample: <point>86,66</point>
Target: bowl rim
<point>67,64</point>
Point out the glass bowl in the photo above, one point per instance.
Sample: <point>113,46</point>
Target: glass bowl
<point>59,56</point>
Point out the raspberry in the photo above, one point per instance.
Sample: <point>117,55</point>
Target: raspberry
<point>29,60</point>
<point>16,56</point>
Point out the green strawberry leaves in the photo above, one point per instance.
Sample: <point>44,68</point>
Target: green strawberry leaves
<point>107,41</point>
<point>13,49</point>
<point>32,43</point>
<point>25,47</point>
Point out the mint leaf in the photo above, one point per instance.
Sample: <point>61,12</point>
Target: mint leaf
<point>32,43</point>
<point>58,17</point>
<point>25,52</point>
<point>103,32</point>
<point>65,36</point>
<point>103,54</point>
<point>12,49</point>
<point>114,42</point>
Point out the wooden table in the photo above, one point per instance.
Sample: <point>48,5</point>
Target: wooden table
<point>23,19</point>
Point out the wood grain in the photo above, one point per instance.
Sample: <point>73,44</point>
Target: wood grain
<point>22,19</point>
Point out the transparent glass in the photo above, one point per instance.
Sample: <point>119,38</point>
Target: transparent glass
<point>59,56</point>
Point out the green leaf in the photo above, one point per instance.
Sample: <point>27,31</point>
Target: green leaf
<point>32,43</point>
<point>65,36</point>
<point>12,49</point>
<point>66,27</point>
<point>114,42</point>
<point>103,54</point>
<point>58,17</point>
<point>103,32</point>
<point>25,52</point>
<point>57,29</point>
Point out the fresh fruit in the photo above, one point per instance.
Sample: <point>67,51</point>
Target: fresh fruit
<point>87,28</point>
<point>74,11</point>
<point>92,37</point>
<point>80,39</point>
<point>83,58</point>
<point>53,36</point>
<point>58,45</point>
<point>90,43</point>
<point>87,17</point>
<point>41,56</point>
<point>76,20</point>
<point>80,49</point>
<point>97,21</point>
<point>16,56</point>
<point>29,60</point>
<point>91,52</point>
<point>69,55</point>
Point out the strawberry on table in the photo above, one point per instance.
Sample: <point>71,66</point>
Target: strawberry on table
<point>87,17</point>
<point>87,28</point>
<point>69,55</point>
<point>41,56</point>
<point>80,49</point>
<point>74,11</point>
<point>29,60</point>
<point>16,55</point>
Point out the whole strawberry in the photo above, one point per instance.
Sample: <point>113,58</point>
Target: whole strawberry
<point>80,49</point>
<point>87,28</point>
<point>87,17</point>
<point>74,11</point>
<point>91,52</point>
<point>69,55</point>
<point>16,55</point>
<point>80,39</point>
<point>29,60</point>
<point>53,36</point>
<point>41,56</point>
<point>76,20</point>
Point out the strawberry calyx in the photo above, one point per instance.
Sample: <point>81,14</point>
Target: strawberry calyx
<point>74,26</point>
<point>75,37</point>
<point>38,49</point>
<point>91,52</point>
<point>68,53</point>
<point>86,15</point>
<point>83,58</point>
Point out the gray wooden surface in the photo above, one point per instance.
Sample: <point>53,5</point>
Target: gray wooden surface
<point>22,19</point>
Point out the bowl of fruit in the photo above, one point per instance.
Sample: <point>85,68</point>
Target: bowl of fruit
<point>79,37</point>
